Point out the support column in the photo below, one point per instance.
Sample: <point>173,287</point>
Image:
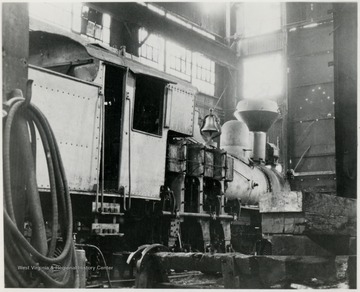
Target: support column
<point>205,228</point>
<point>227,233</point>
<point>15,29</point>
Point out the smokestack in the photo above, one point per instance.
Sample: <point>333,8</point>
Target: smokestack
<point>258,115</point>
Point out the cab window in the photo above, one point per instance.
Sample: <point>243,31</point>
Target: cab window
<point>149,96</point>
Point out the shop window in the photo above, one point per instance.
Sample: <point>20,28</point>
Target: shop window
<point>95,25</point>
<point>148,107</point>
<point>203,74</point>
<point>151,51</point>
<point>178,61</point>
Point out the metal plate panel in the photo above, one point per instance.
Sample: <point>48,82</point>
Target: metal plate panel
<point>320,137</point>
<point>175,160</point>
<point>180,104</point>
<point>300,12</point>
<point>219,164</point>
<point>308,70</point>
<point>308,41</point>
<point>73,109</point>
<point>195,160</point>
<point>313,133</point>
<point>147,165</point>
<point>209,164</point>
<point>311,102</point>
<point>310,164</point>
<point>229,174</point>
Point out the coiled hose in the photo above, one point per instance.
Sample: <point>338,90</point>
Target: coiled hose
<point>31,263</point>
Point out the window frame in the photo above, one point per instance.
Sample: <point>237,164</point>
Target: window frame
<point>161,107</point>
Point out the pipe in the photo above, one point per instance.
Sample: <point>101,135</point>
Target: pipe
<point>102,159</point>
<point>129,153</point>
<point>125,80</point>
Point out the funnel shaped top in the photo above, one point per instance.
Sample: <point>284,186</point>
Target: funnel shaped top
<point>258,115</point>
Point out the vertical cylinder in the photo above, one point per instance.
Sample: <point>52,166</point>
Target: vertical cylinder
<point>235,138</point>
<point>259,150</point>
<point>81,261</point>
<point>251,145</point>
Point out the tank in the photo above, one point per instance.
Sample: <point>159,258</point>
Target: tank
<point>235,139</point>
<point>248,185</point>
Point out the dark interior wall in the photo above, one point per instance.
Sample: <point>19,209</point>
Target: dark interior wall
<point>311,115</point>
<point>212,20</point>
<point>345,66</point>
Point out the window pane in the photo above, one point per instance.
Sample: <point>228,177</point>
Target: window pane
<point>151,51</point>
<point>106,20</point>
<point>181,65</point>
<point>204,74</point>
<point>106,35</point>
<point>149,95</point>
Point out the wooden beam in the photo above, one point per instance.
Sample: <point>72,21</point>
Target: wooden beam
<point>241,271</point>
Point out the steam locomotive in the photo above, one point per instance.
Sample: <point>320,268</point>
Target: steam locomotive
<point>140,167</point>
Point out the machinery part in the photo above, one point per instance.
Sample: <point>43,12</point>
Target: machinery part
<point>135,255</point>
<point>259,151</point>
<point>36,253</point>
<point>148,271</point>
<point>102,258</point>
<point>105,229</point>
<point>259,115</point>
<point>81,260</point>
<point>146,251</point>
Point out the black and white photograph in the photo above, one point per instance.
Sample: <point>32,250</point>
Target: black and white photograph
<point>179,145</point>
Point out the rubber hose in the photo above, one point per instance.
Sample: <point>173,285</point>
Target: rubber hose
<point>15,242</point>
<point>37,218</point>
<point>51,172</point>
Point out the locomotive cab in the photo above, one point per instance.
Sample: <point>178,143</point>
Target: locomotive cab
<point>151,179</point>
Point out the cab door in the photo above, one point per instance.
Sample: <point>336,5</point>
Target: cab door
<point>143,143</point>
